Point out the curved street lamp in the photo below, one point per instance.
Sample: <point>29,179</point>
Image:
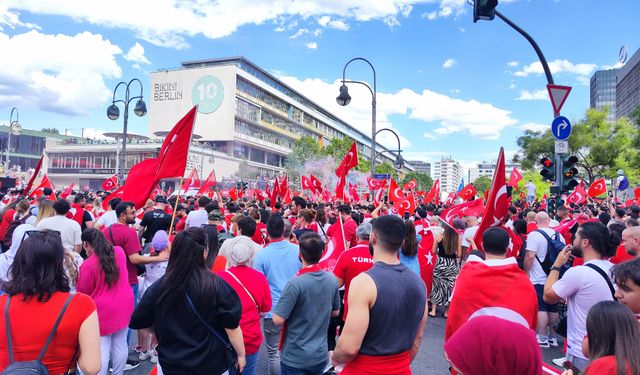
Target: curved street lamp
<point>399,162</point>
<point>113,113</point>
<point>14,128</point>
<point>344,99</point>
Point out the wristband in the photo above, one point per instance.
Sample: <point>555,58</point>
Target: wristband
<point>554,268</point>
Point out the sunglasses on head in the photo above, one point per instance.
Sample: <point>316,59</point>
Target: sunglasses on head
<point>36,232</point>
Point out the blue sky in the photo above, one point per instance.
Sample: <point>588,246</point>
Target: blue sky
<point>449,86</point>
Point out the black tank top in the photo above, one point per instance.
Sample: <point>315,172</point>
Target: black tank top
<point>397,312</point>
<point>443,254</point>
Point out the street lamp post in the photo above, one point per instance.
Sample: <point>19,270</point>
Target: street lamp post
<point>113,112</point>
<point>14,128</point>
<point>344,99</point>
<point>205,146</point>
<point>399,163</point>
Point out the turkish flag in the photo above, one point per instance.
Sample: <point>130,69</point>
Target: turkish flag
<point>375,183</point>
<point>27,189</point>
<point>275,192</point>
<point>283,186</point>
<point>450,199</point>
<point>233,193</point>
<point>467,192</point>
<point>471,208</point>
<point>340,187</point>
<point>514,178</point>
<point>208,183</point>
<point>334,248</point>
<point>306,183</point>
<point>172,158</point>
<point>350,160</point>
<point>426,260</point>
<point>140,182</point>
<point>434,193</point>
<point>578,196</point>
<point>408,204</point>
<point>497,207</point>
<point>410,185</point>
<point>395,193</point>
<point>192,181</point>
<point>116,194</point>
<point>636,193</point>
<point>67,191</point>
<point>480,286</point>
<point>353,192</point>
<point>598,187</point>
<point>378,197</point>
<point>110,183</point>
<point>317,184</point>
<point>45,183</point>
<point>287,197</point>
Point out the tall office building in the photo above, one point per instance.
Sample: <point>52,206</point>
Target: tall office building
<point>449,172</point>
<point>603,91</point>
<point>421,166</point>
<point>628,87</point>
<point>487,169</point>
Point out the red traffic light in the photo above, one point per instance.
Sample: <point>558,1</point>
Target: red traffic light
<point>546,162</point>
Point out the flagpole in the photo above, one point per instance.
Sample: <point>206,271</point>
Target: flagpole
<point>344,238</point>
<point>175,207</point>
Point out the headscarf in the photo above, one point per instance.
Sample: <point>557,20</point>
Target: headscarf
<point>160,241</point>
<point>487,345</point>
<point>241,252</point>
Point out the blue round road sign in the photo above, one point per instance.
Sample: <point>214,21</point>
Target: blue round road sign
<point>561,128</point>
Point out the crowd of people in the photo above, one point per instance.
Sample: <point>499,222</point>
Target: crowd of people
<point>203,283</point>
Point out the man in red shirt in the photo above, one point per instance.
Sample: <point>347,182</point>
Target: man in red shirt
<point>348,224</point>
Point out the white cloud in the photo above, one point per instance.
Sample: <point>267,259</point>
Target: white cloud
<point>449,63</point>
<point>57,73</point>
<point>455,91</point>
<point>512,85</point>
<point>512,64</point>
<point>299,33</point>
<point>533,95</point>
<point>12,19</point>
<point>617,65</point>
<point>169,22</point>
<point>326,21</point>
<point>136,54</point>
<point>312,45</point>
<point>581,71</point>
<point>443,114</point>
<point>446,9</point>
<point>539,128</point>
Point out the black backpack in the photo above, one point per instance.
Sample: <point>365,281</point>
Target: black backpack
<point>554,247</point>
<point>522,253</point>
<point>34,367</point>
<point>8,237</point>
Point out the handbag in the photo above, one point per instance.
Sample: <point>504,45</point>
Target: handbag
<point>561,326</point>
<point>230,356</point>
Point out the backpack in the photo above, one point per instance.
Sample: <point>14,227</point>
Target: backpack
<point>8,237</point>
<point>34,367</point>
<point>554,247</point>
<point>522,253</point>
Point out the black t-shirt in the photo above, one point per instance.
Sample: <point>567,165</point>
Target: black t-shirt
<point>154,221</point>
<point>185,345</point>
<point>86,216</point>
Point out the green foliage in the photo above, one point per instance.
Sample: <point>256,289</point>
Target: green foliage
<point>602,147</point>
<point>482,184</point>
<point>385,168</point>
<point>423,180</point>
<point>51,130</point>
<point>542,186</point>
<point>338,148</point>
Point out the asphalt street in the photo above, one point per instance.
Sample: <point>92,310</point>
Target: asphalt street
<point>430,358</point>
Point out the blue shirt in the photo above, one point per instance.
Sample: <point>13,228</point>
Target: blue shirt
<point>410,262</point>
<point>278,262</point>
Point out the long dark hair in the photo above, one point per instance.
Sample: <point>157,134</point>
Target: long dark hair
<point>450,240</point>
<point>613,330</point>
<point>187,272</point>
<point>410,245</point>
<point>37,269</point>
<point>105,253</point>
<point>211,232</point>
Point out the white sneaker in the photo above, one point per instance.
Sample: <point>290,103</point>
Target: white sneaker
<point>543,342</point>
<point>154,357</point>
<point>145,355</point>
<point>559,361</point>
<point>553,342</point>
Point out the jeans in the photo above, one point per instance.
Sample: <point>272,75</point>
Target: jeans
<point>134,287</point>
<point>313,370</point>
<point>114,346</point>
<point>250,367</point>
<point>271,341</point>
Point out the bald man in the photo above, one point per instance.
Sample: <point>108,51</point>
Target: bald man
<point>537,247</point>
<point>631,241</point>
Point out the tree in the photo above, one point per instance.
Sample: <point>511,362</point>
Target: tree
<point>602,147</point>
<point>338,148</point>
<point>423,180</point>
<point>482,184</point>
<point>51,130</point>
<point>542,186</point>
<point>304,148</point>
<point>385,168</point>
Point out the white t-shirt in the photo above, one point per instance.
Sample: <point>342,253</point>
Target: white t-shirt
<point>531,189</point>
<point>69,230</point>
<point>583,288</point>
<point>152,272</point>
<point>469,233</point>
<point>536,242</point>
<point>196,218</point>
<point>107,219</point>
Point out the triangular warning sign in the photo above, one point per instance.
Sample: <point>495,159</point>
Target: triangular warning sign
<point>558,95</point>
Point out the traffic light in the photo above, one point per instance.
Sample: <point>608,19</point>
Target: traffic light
<point>548,171</point>
<point>484,9</point>
<point>551,205</point>
<point>569,173</point>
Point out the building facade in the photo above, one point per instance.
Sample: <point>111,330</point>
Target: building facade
<point>628,87</point>
<point>421,166</point>
<point>246,113</point>
<point>603,91</point>
<point>487,169</point>
<point>450,174</point>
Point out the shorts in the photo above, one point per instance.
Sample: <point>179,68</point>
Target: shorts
<point>542,305</point>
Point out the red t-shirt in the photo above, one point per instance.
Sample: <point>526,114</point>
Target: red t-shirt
<point>31,323</point>
<point>349,232</point>
<point>126,238</point>
<point>181,224</point>
<point>6,220</point>
<point>260,234</point>
<point>621,255</point>
<point>351,263</point>
<point>604,366</point>
<point>256,283</point>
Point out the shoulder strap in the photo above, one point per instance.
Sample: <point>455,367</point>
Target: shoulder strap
<point>8,329</point>
<point>604,275</point>
<point>215,333</point>
<point>243,287</point>
<point>544,234</point>
<point>111,235</point>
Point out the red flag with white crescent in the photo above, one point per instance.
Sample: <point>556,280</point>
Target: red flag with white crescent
<point>376,183</point>
<point>115,194</point>
<point>467,192</point>
<point>434,193</point>
<point>172,158</point>
<point>44,183</point>
<point>67,191</point>
<point>208,183</point>
<point>426,260</point>
<point>305,182</point>
<point>395,193</point>
<point>350,160</point>
<point>496,210</point>
<point>450,199</point>
<point>353,192</point>
<point>514,178</point>
<point>110,183</point>
<point>410,185</point>
<point>598,187</point>
<point>317,184</point>
<point>340,187</point>
<point>192,181</point>
<point>578,196</point>
<point>471,208</point>
<point>27,189</point>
